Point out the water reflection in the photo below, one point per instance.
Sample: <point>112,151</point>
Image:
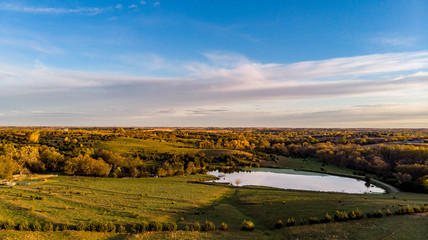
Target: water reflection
<point>298,180</point>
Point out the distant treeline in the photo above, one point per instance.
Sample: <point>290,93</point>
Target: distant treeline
<point>75,152</point>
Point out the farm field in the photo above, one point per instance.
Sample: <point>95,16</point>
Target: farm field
<point>180,199</point>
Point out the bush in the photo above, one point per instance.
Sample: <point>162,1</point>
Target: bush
<point>358,214</point>
<point>36,226</point>
<point>155,226</point>
<point>223,227</point>
<point>378,214</point>
<point>247,226</point>
<point>64,227</point>
<point>134,228</point>
<point>387,212</point>
<point>208,226</point>
<point>313,220</point>
<point>405,210</point>
<point>171,226</point>
<point>290,222</point>
<point>327,218</point>
<point>417,209</point>
<point>80,226</point>
<point>104,227</point>
<point>187,228</point>
<point>121,229</point>
<point>369,215</point>
<point>195,226</point>
<point>279,224</point>
<point>92,226</point>
<point>48,227</point>
<point>8,225</point>
<point>111,227</point>
<point>341,216</point>
<point>24,226</point>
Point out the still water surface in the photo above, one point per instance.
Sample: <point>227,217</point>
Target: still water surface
<point>298,180</point>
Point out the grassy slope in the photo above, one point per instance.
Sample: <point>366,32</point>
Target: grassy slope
<point>72,199</point>
<point>410,227</point>
<point>131,145</point>
<point>306,164</point>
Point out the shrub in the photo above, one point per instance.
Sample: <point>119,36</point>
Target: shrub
<point>48,227</point>
<point>223,227</point>
<point>369,215</point>
<point>102,227</point>
<point>247,226</point>
<point>143,226</point>
<point>36,226</point>
<point>134,228</point>
<point>340,216</point>
<point>24,226</point>
<point>121,229</point>
<point>92,226</point>
<point>186,228</point>
<point>387,212</point>
<point>358,214</point>
<point>378,214</point>
<point>208,226</point>
<point>155,226</point>
<point>327,218</point>
<point>290,222</point>
<point>405,210</point>
<point>195,226</point>
<point>313,220</point>
<point>8,225</point>
<point>64,227</point>
<point>111,227</point>
<point>171,226</point>
<point>355,214</point>
<point>352,215</point>
<point>279,224</point>
<point>417,209</point>
<point>80,226</point>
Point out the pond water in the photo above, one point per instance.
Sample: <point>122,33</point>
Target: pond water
<point>296,180</point>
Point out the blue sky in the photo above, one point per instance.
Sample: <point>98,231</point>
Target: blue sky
<point>214,63</point>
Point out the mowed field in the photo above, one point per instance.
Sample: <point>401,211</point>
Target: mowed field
<point>180,199</point>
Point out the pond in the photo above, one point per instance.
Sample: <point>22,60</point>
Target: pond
<point>296,180</point>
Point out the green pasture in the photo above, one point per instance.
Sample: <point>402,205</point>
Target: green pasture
<point>183,200</point>
<point>408,227</point>
<point>132,145</point>
<point>306,164</point>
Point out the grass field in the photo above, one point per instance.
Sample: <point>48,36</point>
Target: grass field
<point>409,227</point>
<point>132,145</point>
<point>306,164</point>
<point>126,201</point>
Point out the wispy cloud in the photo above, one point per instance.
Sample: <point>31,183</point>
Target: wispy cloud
<point>49,10</point>
<point>38,45</point>
<point>232,87</point>
<point>395,40</point>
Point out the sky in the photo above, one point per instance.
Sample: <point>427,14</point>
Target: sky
<point>200,63</point>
